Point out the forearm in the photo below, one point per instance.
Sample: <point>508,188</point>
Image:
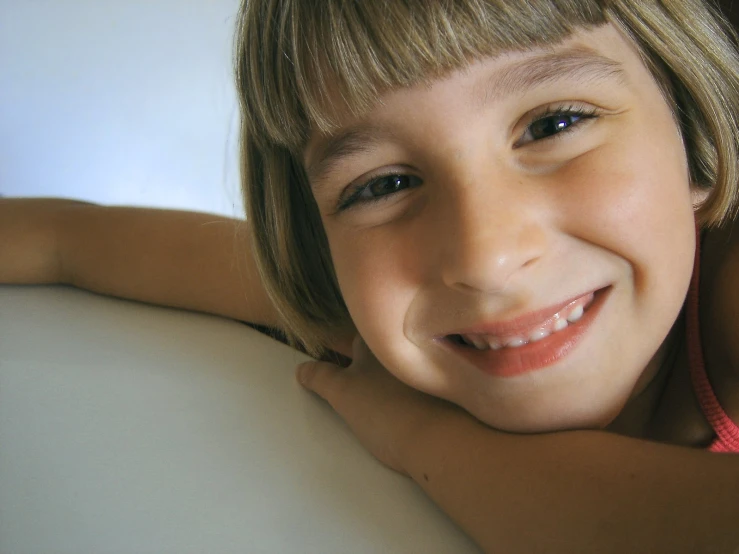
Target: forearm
<point>582,491</point>
<point>182,259</point>
<point>174,258</point>
<point>29,250</point>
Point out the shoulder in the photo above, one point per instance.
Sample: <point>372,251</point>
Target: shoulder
<point>719,313</point>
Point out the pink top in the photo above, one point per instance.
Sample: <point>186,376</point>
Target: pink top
<point>727,432</point>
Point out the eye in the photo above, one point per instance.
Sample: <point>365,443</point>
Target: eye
<point>378,189</point>
<point>555,122</point>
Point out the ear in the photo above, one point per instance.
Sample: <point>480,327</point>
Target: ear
<point>698,195</point>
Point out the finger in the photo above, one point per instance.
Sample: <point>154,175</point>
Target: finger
<point>360,350</point>
<point>357,345</point>
<point>323,378</point>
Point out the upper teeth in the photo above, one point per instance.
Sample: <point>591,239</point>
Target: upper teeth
<point>576,314</point>
<point>538,335</point>
<point>561,322</point>
<point>515,342</point>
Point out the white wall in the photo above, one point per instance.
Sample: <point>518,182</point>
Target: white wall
<point>119,102</point>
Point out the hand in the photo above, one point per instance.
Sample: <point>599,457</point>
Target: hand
<point>383,413</point>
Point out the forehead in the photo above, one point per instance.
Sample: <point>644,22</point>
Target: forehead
<point>599,55</point>
<point>302,57</point>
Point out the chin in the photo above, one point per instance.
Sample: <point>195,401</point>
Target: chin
<point>545,421</point>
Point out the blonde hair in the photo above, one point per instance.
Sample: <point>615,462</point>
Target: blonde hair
<point>294,56</point>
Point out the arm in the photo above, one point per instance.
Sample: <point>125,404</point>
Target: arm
<point>187,260</point>
<point>576,491</point>
<point>580,491</point>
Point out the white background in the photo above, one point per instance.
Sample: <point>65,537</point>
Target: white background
<point>120,102</point>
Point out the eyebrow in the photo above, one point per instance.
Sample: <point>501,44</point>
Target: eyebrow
<point>577,63</point>
<point>351,141</point>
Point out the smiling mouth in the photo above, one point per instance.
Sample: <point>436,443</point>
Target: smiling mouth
<point>561,320</point>
<point>514,353</point>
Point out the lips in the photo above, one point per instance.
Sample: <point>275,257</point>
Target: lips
<point>515,336</point>
<point>511,350</point>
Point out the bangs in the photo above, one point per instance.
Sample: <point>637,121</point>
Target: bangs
<point>301,64</point>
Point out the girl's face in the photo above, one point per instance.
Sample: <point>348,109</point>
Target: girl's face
<point>469,219</point>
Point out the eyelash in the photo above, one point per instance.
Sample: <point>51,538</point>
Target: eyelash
<point>566,110</point>
<point>583,114</point>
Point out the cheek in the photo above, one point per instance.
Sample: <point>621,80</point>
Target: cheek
<point>633,189</point>
<point>377,274</point>
<point>635,202</point>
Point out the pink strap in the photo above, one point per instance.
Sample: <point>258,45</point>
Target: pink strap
<point>727,432</point>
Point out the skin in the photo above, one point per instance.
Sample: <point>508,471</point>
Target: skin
<point>496,225</point>
<point>495,233</point>
<point>578,221</point>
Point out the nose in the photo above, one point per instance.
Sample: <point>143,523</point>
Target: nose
<point>488,237</point>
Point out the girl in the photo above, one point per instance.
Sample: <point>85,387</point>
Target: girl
<point>519,208</point>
